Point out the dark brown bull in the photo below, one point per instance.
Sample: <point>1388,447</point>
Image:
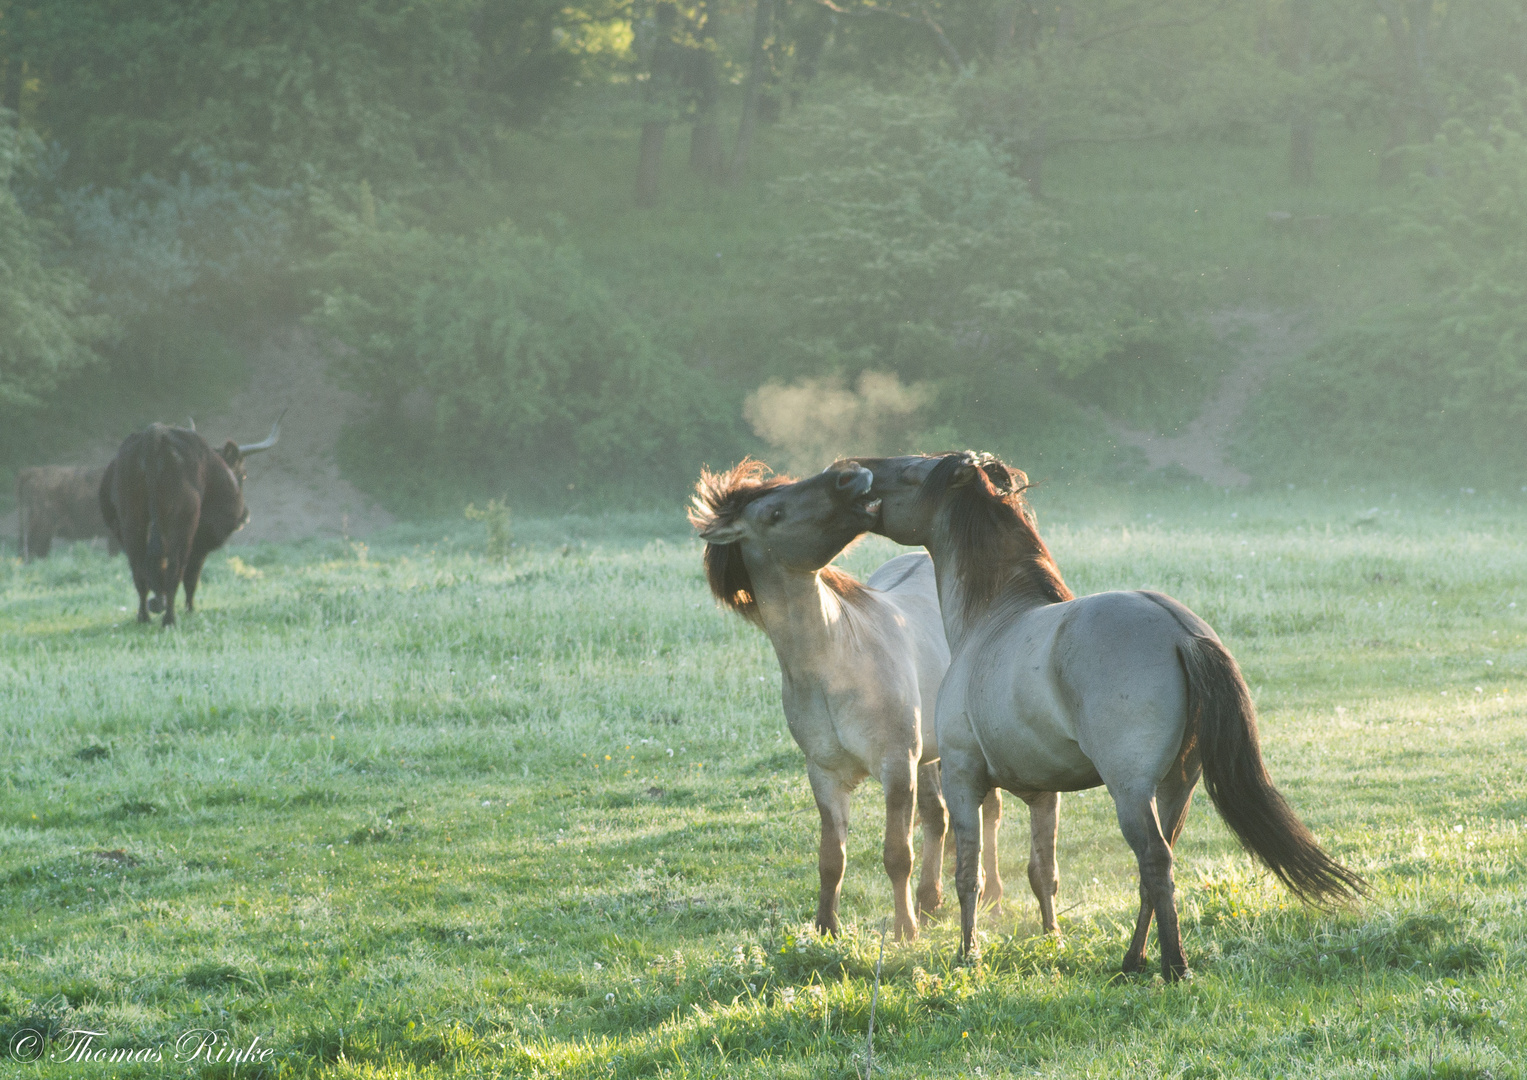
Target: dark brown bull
<point>61,501</point>
<point>171,500</point>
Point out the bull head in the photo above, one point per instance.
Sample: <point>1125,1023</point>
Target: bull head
<point>234,453</point>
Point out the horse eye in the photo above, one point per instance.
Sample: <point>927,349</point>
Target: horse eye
<point>777,515</point>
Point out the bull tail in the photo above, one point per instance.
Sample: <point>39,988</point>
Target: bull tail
<point>1222,716</point>
<point>153,464</point>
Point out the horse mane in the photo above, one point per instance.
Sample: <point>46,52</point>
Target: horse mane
<point>718,499</point>
<point>992,529</point>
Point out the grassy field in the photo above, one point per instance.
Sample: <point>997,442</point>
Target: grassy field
<point>409,811</point>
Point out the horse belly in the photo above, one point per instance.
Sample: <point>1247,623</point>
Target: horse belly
<point>1027,734</point>
<point>1031,753</point>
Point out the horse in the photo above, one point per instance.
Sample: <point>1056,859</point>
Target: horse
<point>860,666</point>
<point>1050,692</point>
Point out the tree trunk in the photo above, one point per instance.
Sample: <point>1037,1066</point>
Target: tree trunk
<point>706,154</point>
<point>649,169</point>
<point>763,19</point>
<point>707,157</point>
<point>1301,129</point>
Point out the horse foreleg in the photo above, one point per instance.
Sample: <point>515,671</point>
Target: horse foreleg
<point>965,788</point>
<point>991,824</point>
<point>930,805</point>
<point>899,777</point>
<point>1044,874</point>
<point>1142,829</point>
<point>832,803</point>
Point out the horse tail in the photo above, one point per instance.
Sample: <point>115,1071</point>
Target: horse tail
<point>1223,719</point>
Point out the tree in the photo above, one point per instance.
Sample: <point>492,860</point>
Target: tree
<point>1116,71</point>
<point>384,89</point>
<point>937,263</point>
<point>45,333</point>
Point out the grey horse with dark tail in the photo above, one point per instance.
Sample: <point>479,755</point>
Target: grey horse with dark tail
<point>1049,692</point>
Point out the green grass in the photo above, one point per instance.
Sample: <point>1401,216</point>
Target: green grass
<point>406,811</point>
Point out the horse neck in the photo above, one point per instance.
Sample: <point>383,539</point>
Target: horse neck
<point>959,622</point>
<point>805,620</point>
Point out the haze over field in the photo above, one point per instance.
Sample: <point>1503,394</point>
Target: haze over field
<point>1255,243</point>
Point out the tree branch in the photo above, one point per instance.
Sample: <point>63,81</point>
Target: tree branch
<point>950,52</point>
<point>1147,24</point>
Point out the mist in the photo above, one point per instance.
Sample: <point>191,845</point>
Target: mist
<point>1244,246</point>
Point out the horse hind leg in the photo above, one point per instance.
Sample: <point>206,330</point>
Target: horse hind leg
<point>935,815</point>
<point>1142,830</point>
<point>1044,874</point>
<point>1173,797</point>
<point>899,777</point>
<point>991,825</point>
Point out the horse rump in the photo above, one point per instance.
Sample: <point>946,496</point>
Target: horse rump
<point>1223,720</point>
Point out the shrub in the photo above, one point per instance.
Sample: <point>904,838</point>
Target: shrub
<point>935,262</point>
<point>1436,379</point>
<point>45,335</point>
<point>496,360</point>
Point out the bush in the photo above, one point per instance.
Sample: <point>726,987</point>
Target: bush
<point>496,362</point>
<point>1435,381</point>
<point>936,263</point>
<point>44,334</point>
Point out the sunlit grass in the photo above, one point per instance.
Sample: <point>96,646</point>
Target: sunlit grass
<point>403,810</point>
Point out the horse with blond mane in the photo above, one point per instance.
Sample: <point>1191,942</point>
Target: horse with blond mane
<point>860,668</point>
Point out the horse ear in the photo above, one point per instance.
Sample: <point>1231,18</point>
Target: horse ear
<point>723,532</point>
<point>1005,479</point>
<point>965,474</point>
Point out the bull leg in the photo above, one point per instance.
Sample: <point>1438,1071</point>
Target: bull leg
<point>179,557</point>
<point>898,775</point>
<point>39,537</point>
<point>832,797</point>
<point>174,568</point>
<point>140,582</point>
<point>193,577</point>
<point>930,805</point>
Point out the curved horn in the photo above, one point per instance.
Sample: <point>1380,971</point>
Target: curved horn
<point>265,443</point>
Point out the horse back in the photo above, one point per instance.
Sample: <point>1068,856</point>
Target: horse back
<point>1086,680</point>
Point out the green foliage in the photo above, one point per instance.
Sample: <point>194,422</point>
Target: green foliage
<point>379,88</point>
<point>499,359</point>
<point>1438,373</point>
<point>494,514</point>
<point>937,263</point>
<point>45,332</point>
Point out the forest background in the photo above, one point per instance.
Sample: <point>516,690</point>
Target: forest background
<point>566,251</point>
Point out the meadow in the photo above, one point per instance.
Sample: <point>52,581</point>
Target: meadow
<point>405,809</point>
